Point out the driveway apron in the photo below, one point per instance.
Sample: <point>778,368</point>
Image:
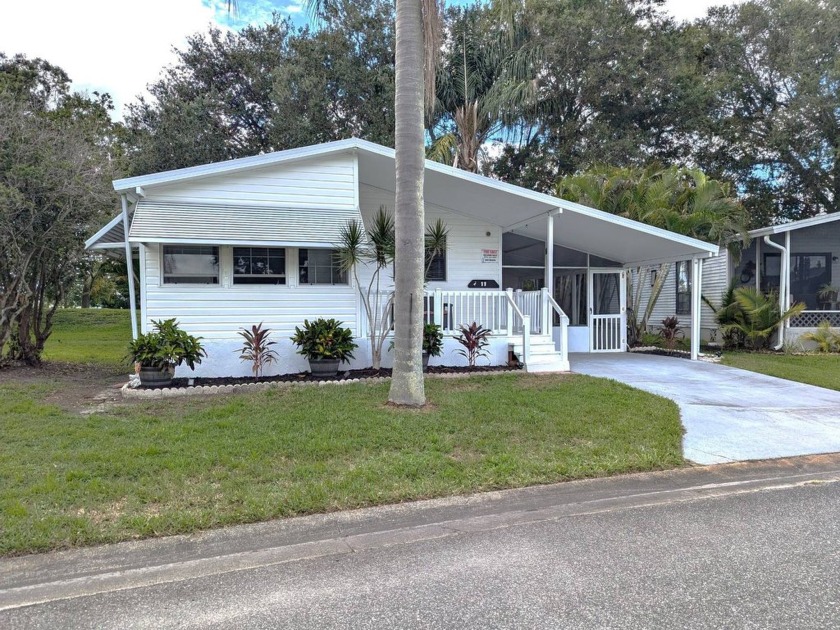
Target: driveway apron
<point>729,414</point>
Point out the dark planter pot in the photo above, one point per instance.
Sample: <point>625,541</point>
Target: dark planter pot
<point>425,360</point>
<point>156,377</point>
<point>324,367</point>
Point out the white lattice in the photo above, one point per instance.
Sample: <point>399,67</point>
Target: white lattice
<point>812,319</point>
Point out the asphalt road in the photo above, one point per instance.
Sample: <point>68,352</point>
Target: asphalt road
<point>729,554</point>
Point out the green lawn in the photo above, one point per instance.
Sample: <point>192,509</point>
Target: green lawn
<point>179,465</point>
<point>89,336</point>
<point>822,370</point>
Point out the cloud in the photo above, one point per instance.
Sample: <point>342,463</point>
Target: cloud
<point>120,47</point>
<point>685,10</point>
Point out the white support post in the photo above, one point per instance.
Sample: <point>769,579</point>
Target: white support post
<point>129,262</point>
<point>549,254</point>
<point>509,292</point>
<point>758,265</point>
<point>696,288</point>
<point>788,300</point>
<point>438,308</point>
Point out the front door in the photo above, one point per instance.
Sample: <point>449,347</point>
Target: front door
<point>607,310</point>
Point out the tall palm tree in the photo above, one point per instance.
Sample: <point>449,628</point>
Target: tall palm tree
<point>417,45</point>
<point>484,83</point>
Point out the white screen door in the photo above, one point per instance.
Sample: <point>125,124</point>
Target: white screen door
<point>607,312</point>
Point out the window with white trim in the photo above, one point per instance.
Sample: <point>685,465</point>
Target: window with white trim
<point>683,270</point>
<point>190,264</point>
<point>259,265</point>
<point>320,266</point>
<point>436,264</point>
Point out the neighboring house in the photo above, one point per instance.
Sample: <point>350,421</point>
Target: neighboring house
<point>808,249</point>
<point>231,244</point>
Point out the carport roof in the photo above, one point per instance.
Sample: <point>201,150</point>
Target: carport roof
<point>510,207</point>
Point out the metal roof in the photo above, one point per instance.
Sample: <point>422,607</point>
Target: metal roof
<point>510,207</point>
<point>111,236</point>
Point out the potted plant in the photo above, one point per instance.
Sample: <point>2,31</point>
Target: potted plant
<point>432,343</point>
<point>159,352</point>
<point>326,343</point>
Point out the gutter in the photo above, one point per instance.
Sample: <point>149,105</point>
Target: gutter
<point>783,287</point>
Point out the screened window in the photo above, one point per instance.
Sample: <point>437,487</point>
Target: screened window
<point>190,264</point>
<point>808,274</point>
<point>259,265</point>
<point>683,288</point>
<point>437,265</point>
<point>320,266</point>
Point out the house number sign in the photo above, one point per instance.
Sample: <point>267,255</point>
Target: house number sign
<point>483,284</point>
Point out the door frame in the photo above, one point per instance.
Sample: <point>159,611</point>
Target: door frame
<point>622,299</point>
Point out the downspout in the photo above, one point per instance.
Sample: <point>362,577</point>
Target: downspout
<point>129,263</point>
<point>783,284</point>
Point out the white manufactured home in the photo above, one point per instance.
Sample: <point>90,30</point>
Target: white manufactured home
<point>232,244</point>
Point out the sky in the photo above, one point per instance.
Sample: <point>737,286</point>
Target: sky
<point>120,46</point>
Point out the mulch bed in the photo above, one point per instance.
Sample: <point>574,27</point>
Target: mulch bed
<point>304,377</point>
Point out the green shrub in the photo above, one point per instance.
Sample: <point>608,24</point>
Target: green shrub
<point>166,347</point>
<point>432,340</point>
<point>324,339</point>
<point>826,337</point>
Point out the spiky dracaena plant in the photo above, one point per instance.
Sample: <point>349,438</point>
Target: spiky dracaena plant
<point>375,248</point>
<point>256,348</point>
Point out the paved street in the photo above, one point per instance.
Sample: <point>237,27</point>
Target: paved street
<point>729,414</point>
<point>740,546</point>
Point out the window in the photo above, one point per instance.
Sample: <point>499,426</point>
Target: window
<point>319,266</point>
<point>259,265</point>
<point>436,265</point>
<point>190,264</point>
<point>683,288</point>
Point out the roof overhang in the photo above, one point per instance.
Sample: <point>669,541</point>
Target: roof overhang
<point>795,225</point>
<point>509,207</point>
<point>162,221</point>
<point>111,236</point>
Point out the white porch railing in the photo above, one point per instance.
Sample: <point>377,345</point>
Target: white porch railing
<point>505,313</point>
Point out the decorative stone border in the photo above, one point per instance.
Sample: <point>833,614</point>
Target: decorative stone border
<point>130,391</point>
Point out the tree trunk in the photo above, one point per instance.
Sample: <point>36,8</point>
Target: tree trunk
<point>407,386</point>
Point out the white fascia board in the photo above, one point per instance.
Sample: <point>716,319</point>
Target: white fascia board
<point>794,225</point>
<point>89,244</point>
<point>235,243</point>
<point>229,166</point>
<point>668,260</point>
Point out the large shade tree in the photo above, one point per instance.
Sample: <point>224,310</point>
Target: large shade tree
<point>771,69</point>
<point>55,170</point>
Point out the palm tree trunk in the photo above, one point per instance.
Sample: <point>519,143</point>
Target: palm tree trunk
<point>407,386</point>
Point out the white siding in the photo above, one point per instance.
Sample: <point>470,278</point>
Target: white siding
<point>325,182</point>
<point>466,239</point>
<point>217,312</point>
<point>715,280</point>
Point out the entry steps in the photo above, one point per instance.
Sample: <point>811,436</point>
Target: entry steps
<point>543,355</point>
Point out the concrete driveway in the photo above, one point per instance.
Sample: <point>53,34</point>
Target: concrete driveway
<point>729,414</point>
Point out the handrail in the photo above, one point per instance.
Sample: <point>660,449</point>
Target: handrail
<point>564,327</point>
<point>526,327</point>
